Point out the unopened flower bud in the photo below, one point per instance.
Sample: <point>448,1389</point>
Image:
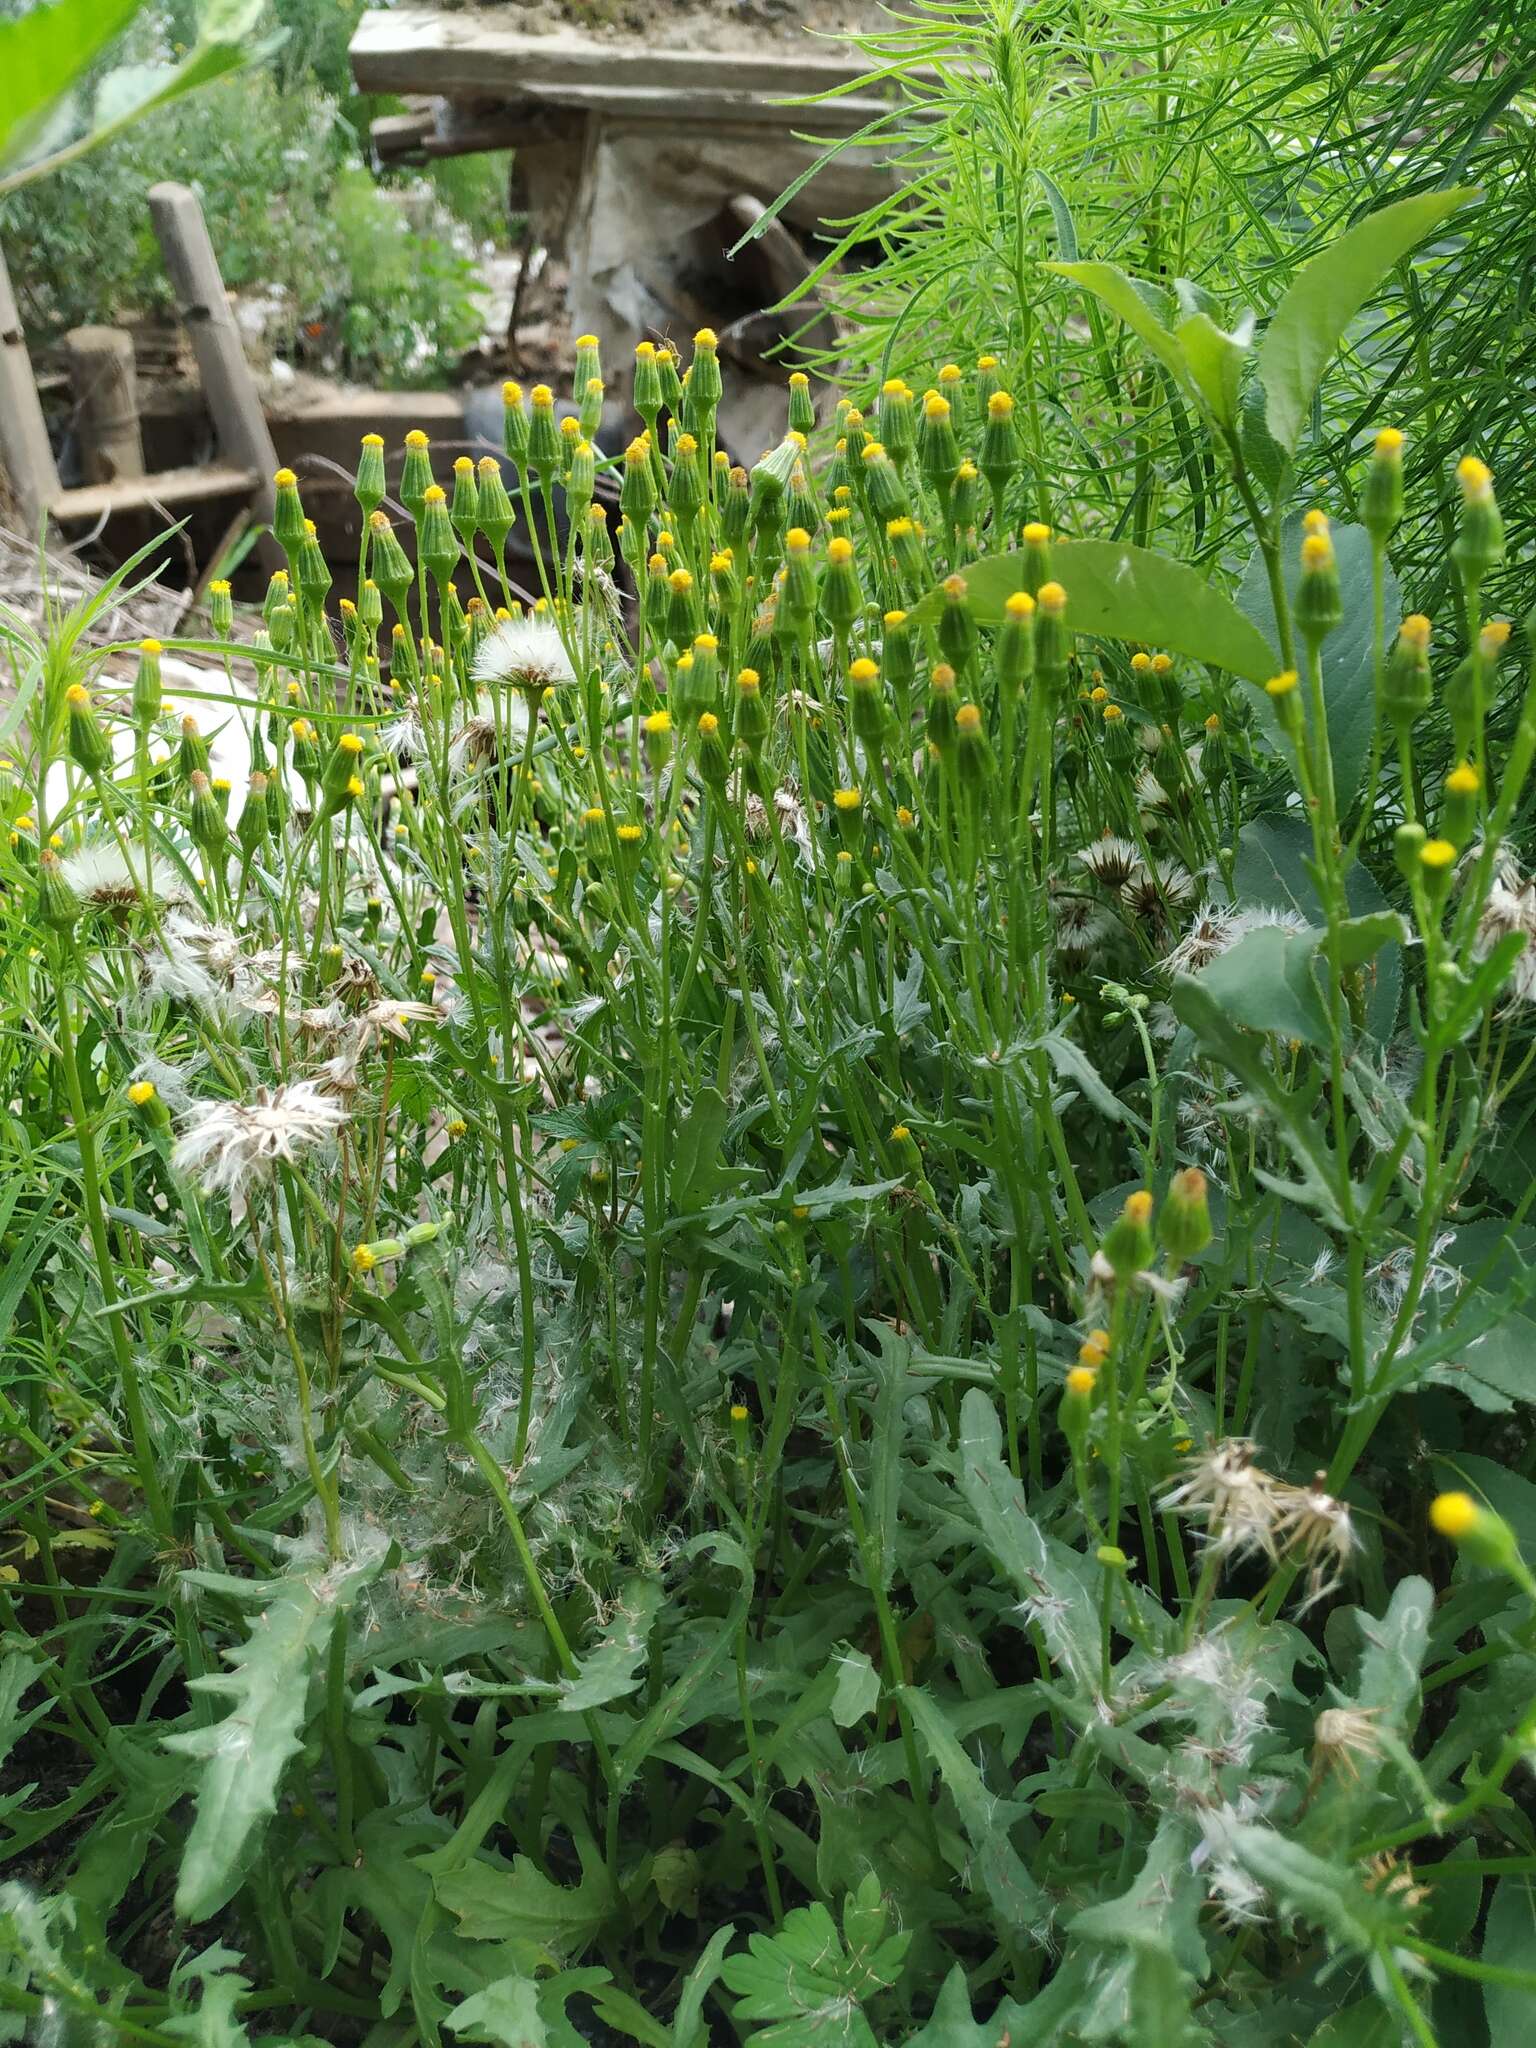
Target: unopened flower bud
<point>1184,1221</point>
<point>1128,1242</point>
<point>416,474</point>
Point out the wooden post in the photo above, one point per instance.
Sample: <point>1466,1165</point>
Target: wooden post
<point>106,403</point>
<point>25,453</point>
<point>228,386</point>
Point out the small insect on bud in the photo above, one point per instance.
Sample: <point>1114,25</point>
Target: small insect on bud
<point>1184,1221</point>
<point>1128,1243</point>
<point>1479,543</point>
<point>1381,500</point>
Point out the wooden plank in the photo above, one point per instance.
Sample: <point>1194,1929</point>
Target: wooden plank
<point>476,55</point>
<point>172,487</point>
<point>228,386</point>
<point>101,374</point>
<point>25,452</point>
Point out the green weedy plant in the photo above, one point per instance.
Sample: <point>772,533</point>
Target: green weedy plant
<point>782,1304</point>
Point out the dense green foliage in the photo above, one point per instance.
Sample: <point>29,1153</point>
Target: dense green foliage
<point>791,1310</point>
<point>1221,141</point>
<point>374,281</point>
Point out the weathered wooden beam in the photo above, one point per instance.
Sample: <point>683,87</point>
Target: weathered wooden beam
<point>478,56</point>
<point>26,454</point>
<point>101,375</point>
<point>228,386</point>
<point>167,487</point>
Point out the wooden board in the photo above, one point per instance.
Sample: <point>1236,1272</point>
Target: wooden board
<point>473,56</point>
<point>170,488</point>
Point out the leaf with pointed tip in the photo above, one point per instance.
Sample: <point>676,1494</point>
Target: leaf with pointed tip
<point>1309,323</point>
<point>244,1754</point>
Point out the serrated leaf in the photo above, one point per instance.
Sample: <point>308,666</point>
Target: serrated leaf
<point>541,1921</point>
<point>244,1754</point>
<point>1123,592</point>
<point>613,1668</point>
<point>1310,321</point>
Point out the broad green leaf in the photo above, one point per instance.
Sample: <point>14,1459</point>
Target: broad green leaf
<point>1310,321</point>
<point>1509,1940</point>
<point>1266,983</point>
<point>1349,681</point>
<point>244,1755</point>
<point>1126,299</point>
<point>43,54</point>
<point>1215,361</point>
<point>1271,870</point>
<point>1122,592</point>
<point>226,42</point>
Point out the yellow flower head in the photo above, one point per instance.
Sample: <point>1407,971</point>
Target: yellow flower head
<point>1081,1381</point>
<point>863,670</point>
<point>141,1093</point>
<point>1389,443</point>
<point>1463,780</point>
<point>839,549</point>
<point>1019,605</point>
<point>1436,855</point>
<point>847,799</point>
<point>1475,478</point>
<point>1052,599</point>
<point>658,724</point>
<point>1454,1515</point>
<point>1282,684</point>
<point>1036,533</point>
